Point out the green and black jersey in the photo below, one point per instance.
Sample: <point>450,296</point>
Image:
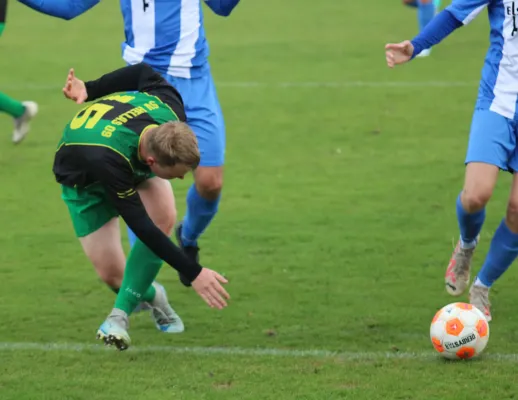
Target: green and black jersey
<point>110,128</point>
<point>101,145</point>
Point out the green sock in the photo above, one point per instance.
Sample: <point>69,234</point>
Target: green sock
<point>142,268</point>
<point>149,296</point>
<point>11,106</point>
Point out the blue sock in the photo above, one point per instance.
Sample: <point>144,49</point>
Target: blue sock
<point>200,212</point>
<point>502,253</point>
<point>470,225</point>
<point>132,237</point>
<point>425,13</point>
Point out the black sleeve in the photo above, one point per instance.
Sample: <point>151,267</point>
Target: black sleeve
<point>140,77</point>
<point>114,172</point>
<point>133,77</point>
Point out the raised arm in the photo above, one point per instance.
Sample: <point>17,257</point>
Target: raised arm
<point>65,9</point>
<point>140,77</point>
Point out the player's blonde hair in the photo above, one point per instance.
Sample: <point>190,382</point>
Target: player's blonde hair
<point>174,143</point>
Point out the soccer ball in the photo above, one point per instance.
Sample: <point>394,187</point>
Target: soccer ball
<point>459,331</point>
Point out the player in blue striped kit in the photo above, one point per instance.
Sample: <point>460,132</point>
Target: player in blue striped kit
<point>492,143</point>
<point>170,37</point>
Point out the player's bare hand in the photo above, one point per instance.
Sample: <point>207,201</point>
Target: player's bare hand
<point>208,286</point>
<point>398,53</point>
<point>75,88</point>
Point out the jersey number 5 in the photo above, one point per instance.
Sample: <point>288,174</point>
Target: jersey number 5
<point>92,115</point>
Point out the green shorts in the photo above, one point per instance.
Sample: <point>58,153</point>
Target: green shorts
<point>90,208</point>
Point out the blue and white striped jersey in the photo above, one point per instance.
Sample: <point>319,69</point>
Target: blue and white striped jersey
<point>167,34</point>
<point>499,84</point>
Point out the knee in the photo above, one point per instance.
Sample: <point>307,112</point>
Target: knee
<point>167,221</point>
<point>474,201</point>
<point>209,182</point>
<point>111,274</point>
<point>512,215</point>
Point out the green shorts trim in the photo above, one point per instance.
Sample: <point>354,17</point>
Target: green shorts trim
<point>90,208</point>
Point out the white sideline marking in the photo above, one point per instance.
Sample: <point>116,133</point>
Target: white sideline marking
<point>288,85</point>
<point>238,351</point>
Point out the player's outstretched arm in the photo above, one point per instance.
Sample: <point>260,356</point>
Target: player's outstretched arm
<point>207,283</point>
<point>437,30</point>
<point>140,77</point>
<point>222,7</point>
<point>65,9</point>
<point>114,172</point>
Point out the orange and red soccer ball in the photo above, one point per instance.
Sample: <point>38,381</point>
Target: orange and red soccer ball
<point>459,331</point>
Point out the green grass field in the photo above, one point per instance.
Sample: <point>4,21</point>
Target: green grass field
<point>336,225</point>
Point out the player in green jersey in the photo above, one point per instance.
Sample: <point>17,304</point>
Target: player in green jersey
<point>22,112</point>
<point>114,159</point>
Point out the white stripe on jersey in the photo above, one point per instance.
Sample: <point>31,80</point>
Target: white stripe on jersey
<point>143,26</point>
<point>506,85</point>
<point>473,14</point>
<point>185,51</point>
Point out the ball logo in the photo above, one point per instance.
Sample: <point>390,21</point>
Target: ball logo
<point>461,342</point>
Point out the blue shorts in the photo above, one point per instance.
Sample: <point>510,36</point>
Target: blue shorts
<point>492,140</point>
<point>204,116</point>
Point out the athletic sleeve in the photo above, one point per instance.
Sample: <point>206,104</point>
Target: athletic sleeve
<point>138,77</point>
<point>437,29</point>
<point>115,174</point>
<point>465,11</point>
<point>65,9</point>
